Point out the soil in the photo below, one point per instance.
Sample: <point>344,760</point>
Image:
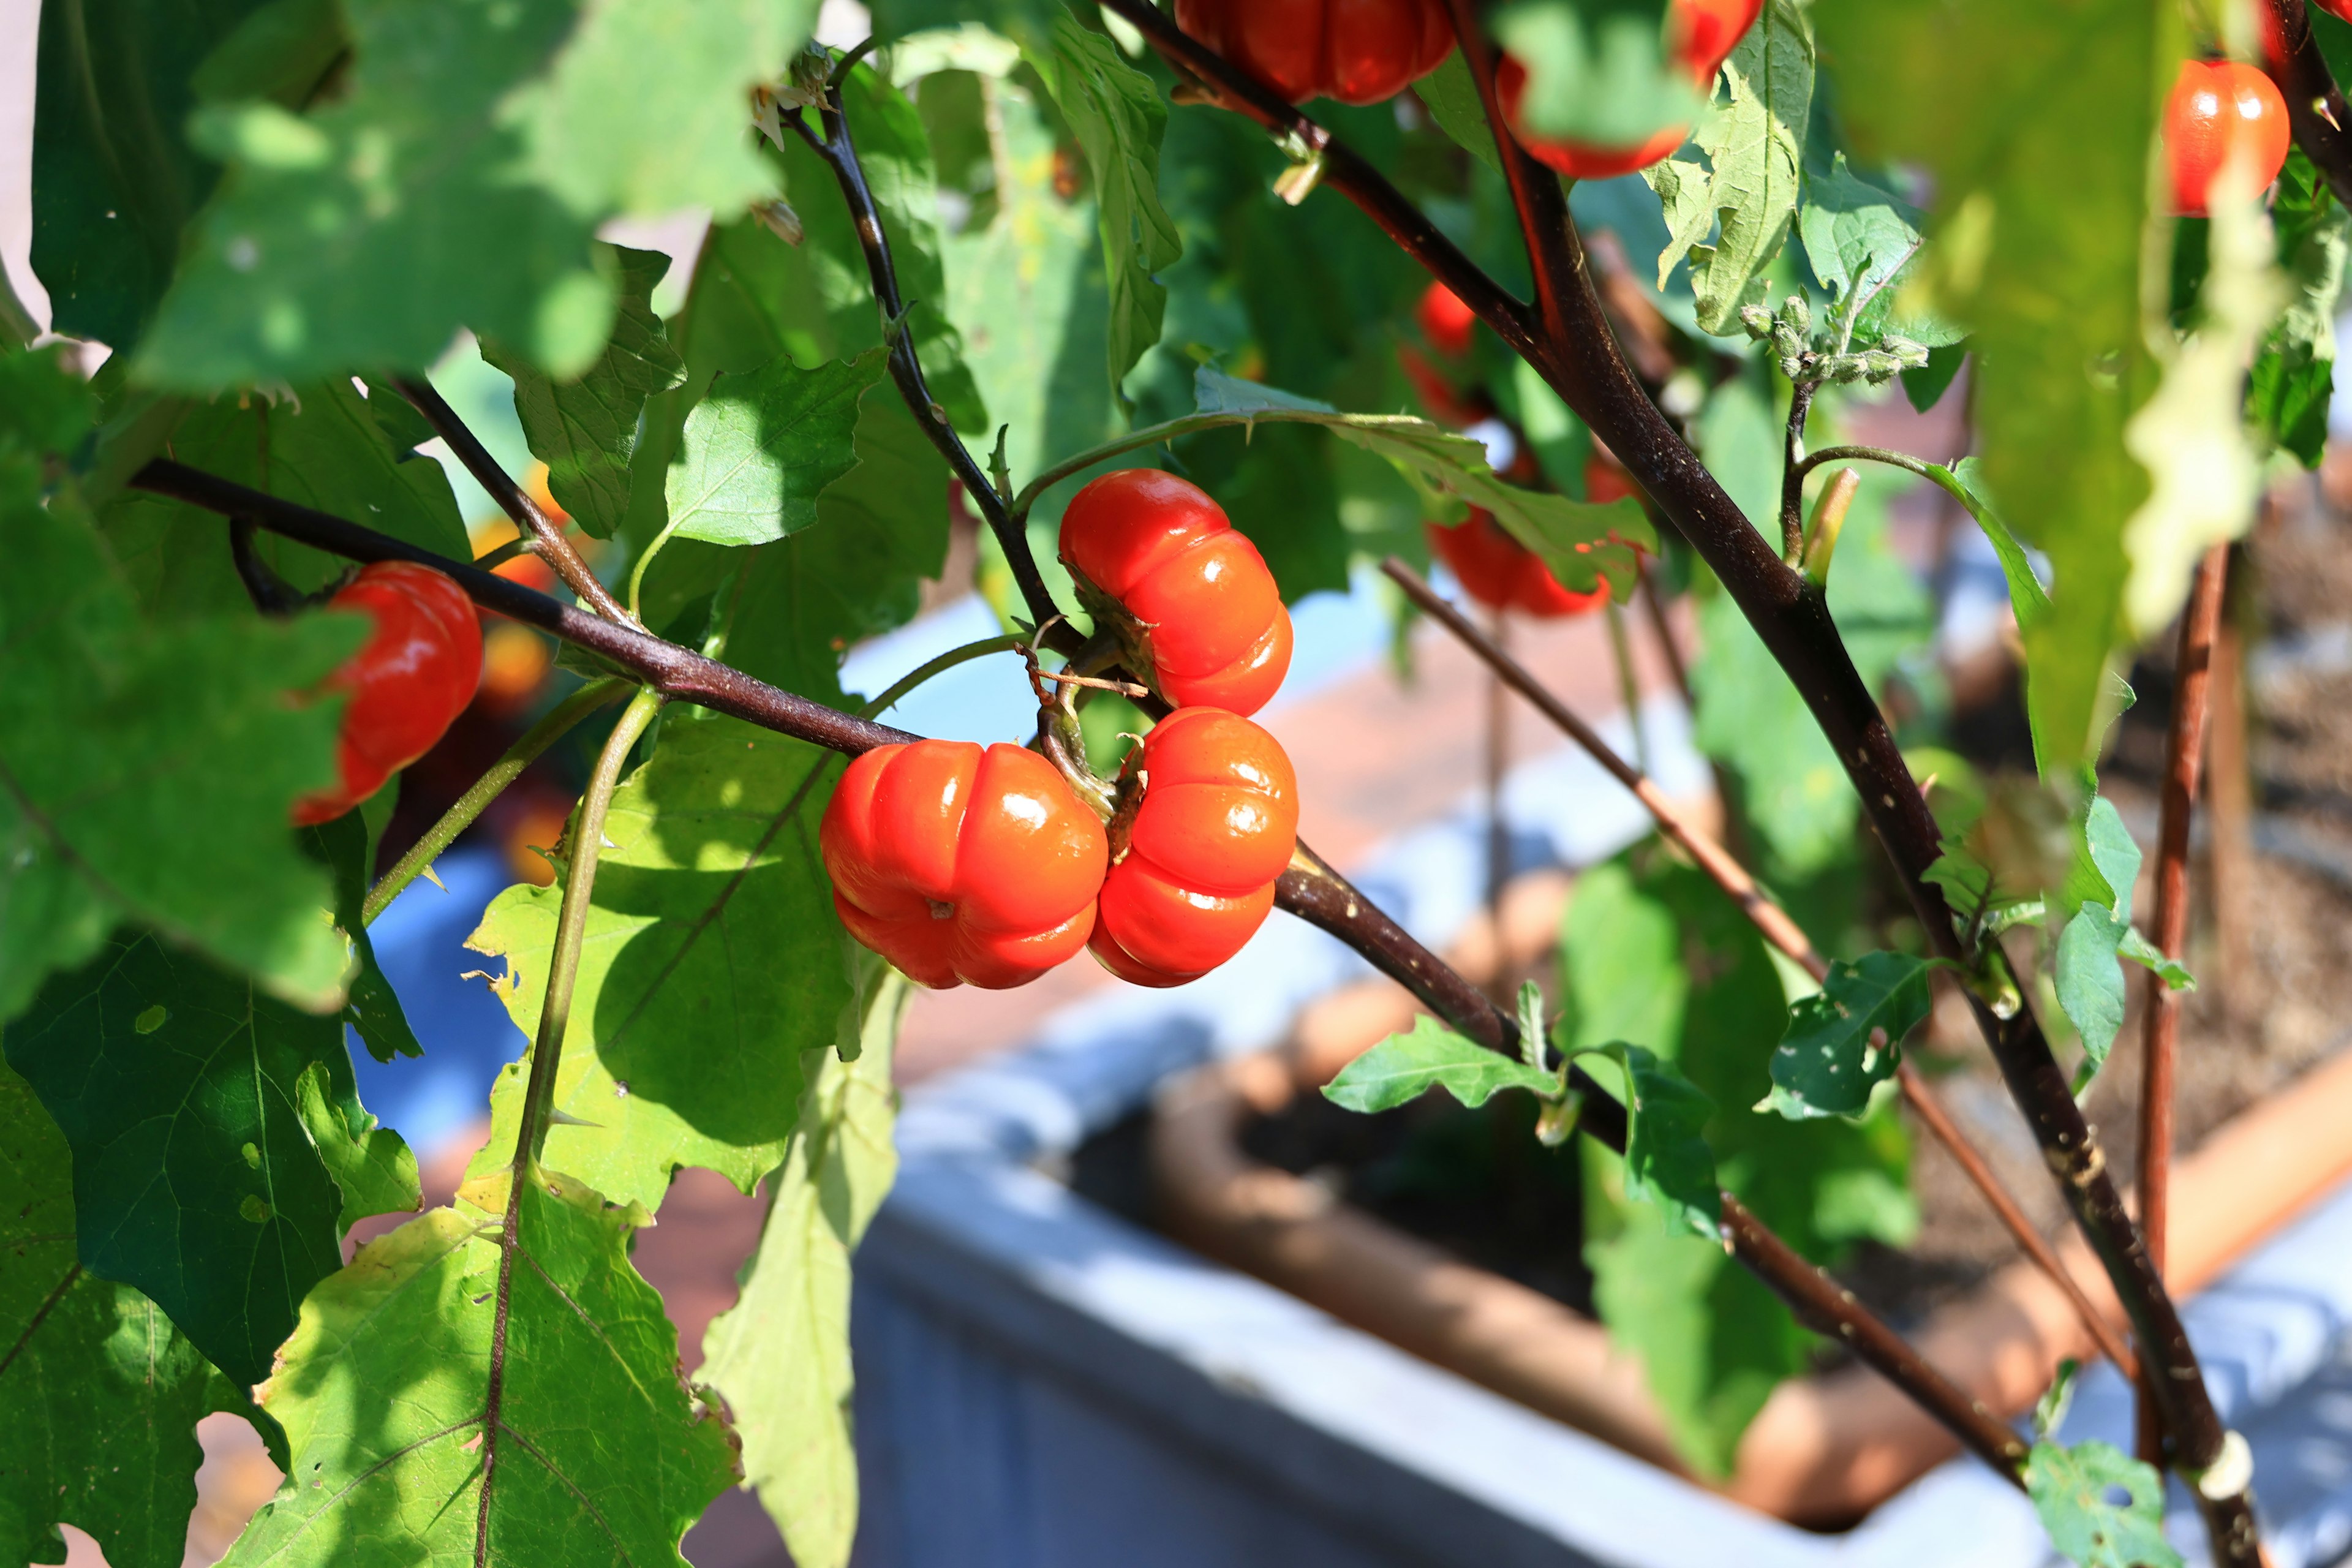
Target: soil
<point>2275,979</point>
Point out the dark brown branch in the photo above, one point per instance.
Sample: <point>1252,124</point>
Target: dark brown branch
<point>1311,889</point>
<point>270,593</point>
<point>1772,922</point>
<point>676,672</point>
<point>1792,473</point>
<point>2315,107</point>
<point>840,155</point>
<point>544,531</point>
<point>2160,1026</point>
<point>1580,358</point>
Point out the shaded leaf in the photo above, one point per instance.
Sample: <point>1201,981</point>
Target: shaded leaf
<point>1828,1062</point>
<point>1581,543</point>
<point>2092,910</point>
<point>114,182</point>
<point>114,803</point>
<point>1451,95</point>
<point>712,960</point>
<point>371,1008</point>
<point>102,1394</point>
<point>599,1454</point>
<point>586,430</point>
<point>2070,1488</point>
<point>759,447</point>
<point>197,1177</point>
<point>1115,112</point>
<point>780,1355</point>
<point>1405,1066</point>
<point>2293,375</point>
<point>1667,1161</point>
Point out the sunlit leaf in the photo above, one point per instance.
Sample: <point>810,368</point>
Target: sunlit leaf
<point>594,1452</point>
<point>1403,1068</point>
<point>780,1355</point>
<point>1598,71</point>
<point>2072,1488</point>
<point>712,961</point>
<point>759,447</point>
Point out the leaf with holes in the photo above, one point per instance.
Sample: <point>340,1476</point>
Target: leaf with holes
<point>103,1395</point>
<point>1846,1039</point>
<point>198,1175</point>
<point>1746,194</point>
<point>2070,1490</point>
<point>585,429</point>
<point>1667,1161</point>
<point>431,1420</point>
<point>712,961</point>
<point>1402,1068</point>
<point>780,1355</point>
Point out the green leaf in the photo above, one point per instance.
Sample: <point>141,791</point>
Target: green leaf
<point>1747,191</point>
<point>2070,1488</point>
<point>2041,174</point>
<point>372,1009</point>
<point>2027,597</point>
<point>197,1176</point>
<point>1863,242</point>
<point>457,179</point>
<point>1925,385</point>
<point>1828,1061</point>
<point>323,446</point>
<point>114,182</point>
<point>2093,911</point>
<point>759,447</point>
<point>1667,1161</point>
<point>102,1394</point>
<point>1651,950</point>
<point>1115,112</point>
<point>1581,543</point>
<point>1405,1066</point>
<point>1451,95</point>
<point>2141,951</point>
<point>712,961</point>
<point>2293,375</point>
<point>115,802</point>
<point>586,430</point>
<point>1598,70</point>
<point>371,1165</point>
<point>600,1453</point>
<point>780,1355</point>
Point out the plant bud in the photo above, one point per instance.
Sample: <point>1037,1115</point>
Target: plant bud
<point>1798,314</point>
<point>1758,320</point>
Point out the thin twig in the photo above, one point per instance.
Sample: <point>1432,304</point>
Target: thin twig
<point>546,1061</point>
<point>553,727</point>
<point>1776,926</point>
<point>2160,1031</point>
<point>1793,469</point>
<point>512,499</point>
<point>678,673</point>
<point>840,155</point>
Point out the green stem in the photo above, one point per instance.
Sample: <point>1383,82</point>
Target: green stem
<point>1009,643</point>
<point>1887,454</point>
<point>1153,435</point>
<point>572,924</point>
<point>488,788</point>
<point>1629,690</point>
<point>637,572</point>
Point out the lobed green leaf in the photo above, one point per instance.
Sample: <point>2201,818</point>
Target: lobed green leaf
<point>1846,1039</point>
<point>1403,1068</point>
<point>761,447</point>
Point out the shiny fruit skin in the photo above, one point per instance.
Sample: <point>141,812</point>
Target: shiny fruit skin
<point>407,685</point>
<point>1702,34</point>
<point>1357,51</point>
<point>963,867</point>
<point>1216,825</point>
<point>2216,110</point>
<point>1198,600</point>
<point>1500,573</point>
<point>1444,321</point>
